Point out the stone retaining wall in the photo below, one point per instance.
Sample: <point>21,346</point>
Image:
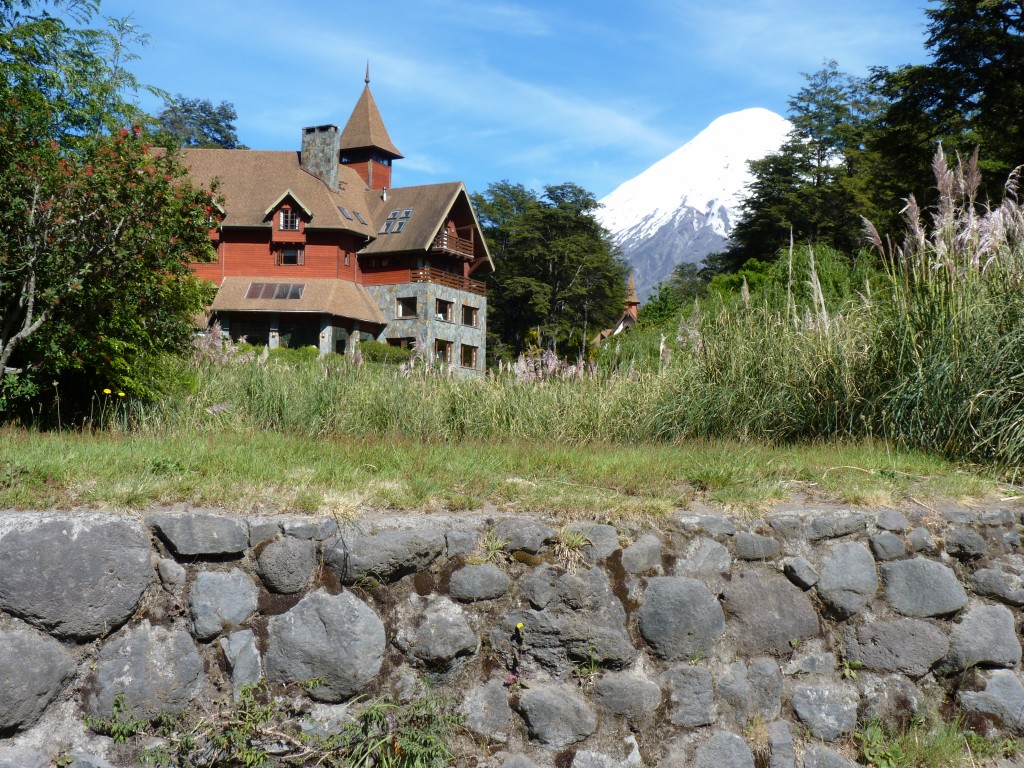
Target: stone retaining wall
<point>705,642</point>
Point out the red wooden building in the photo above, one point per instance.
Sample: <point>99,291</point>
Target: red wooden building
<point>316,247</point>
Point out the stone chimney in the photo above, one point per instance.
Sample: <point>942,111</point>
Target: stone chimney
<point>321,151</point>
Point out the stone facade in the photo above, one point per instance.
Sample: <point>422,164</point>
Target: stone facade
<point>702,641</point>
<point>426,327</point>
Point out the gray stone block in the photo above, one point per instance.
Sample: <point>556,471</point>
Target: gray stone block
<point>752,692</point>
<point>524,535</point>
<point>908,646</point>
<point>460,542</point>
<point>603,540</point>
<point>679,618</point>
<point>848,579</point>
<point>986,636</point>
<point>22,757</point>
<point>820,756</point>
<point>316,530</point>
<point>34,668</point>
<point>192,535</point>
<point>998,584</point>
<point>472,583</point>
<point>243,660</point>
<point>158,670</point>
<point>921,540</point>
<point>434,630</point>
<point>262,530</point>
<point>921,588</point>
<point>965,544</point>
<point>832,525</point>
<point>887,546</point>
<point>829,711</point>
<point>643,555</point>
<point>801,572</point>
<point>781,752</point>
<point>383,556</point>
<point>767,612</point>
<point>221,601</point>
<point>691,701</point>
<point>335,637</point>
<point>705,556</point>
<point>716,526</point>
<point>487,712</point>
<point>629,696</point>
<point>287,565</point>
<point>172,575</point>
<point>753,546</point>
<point>75,578</point>
<point>724,750</point>
<point>1002,698</point>
<point>557,715</point>
<point>891,520</point>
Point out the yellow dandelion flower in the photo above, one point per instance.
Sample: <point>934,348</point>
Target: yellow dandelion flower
<point>120,394</point>
<point>106,391</point>
<point>520,625</point>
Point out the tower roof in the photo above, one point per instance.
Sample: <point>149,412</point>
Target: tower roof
<point>365,128</point>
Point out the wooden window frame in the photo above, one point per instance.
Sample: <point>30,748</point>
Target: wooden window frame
<point>300,256</point>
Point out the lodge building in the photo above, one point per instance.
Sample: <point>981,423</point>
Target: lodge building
<point>317,248</point>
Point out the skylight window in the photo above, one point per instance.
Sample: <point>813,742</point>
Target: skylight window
<point>291,291</point>
<point>344,212</point>
<point>359,217</point>
<point>396,221</point>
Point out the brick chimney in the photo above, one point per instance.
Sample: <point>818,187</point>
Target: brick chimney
<point>321,150</point>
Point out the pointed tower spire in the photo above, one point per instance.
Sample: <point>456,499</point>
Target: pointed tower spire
<point>365,143</point>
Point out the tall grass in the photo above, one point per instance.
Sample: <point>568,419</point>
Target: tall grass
<point>931,356</point>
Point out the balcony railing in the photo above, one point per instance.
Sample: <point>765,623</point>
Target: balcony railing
<point>438,276</point>
<point>449,243</point>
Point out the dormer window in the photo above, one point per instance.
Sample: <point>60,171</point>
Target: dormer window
<point>288,220</point>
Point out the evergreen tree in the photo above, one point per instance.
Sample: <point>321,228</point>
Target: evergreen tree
<point>557,280</point>
<point>197,123</point>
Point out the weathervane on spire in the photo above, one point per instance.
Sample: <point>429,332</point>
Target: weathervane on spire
<point>367,81</point>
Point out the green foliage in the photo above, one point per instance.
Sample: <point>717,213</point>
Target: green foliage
<point>928,742</point>
<point>380,352</point>
<point>96,230</point>
<point>120,726</point>
<point>557,280</point>
<point>241,734</point>
<point>197,123</point>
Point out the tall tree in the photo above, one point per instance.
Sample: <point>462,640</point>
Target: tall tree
<point>971,94</point>
<point>198,123</point>
<point>96,231</point>
<point>557,279</point>
<point>810,186</point>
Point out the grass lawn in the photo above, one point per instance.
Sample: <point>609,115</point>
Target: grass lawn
<point>279,472</point>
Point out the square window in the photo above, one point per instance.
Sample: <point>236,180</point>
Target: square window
<point>443,351</point>
<point>290,257</point>
<point>444,310</point>
<point>468,356</point>
<point>470,315</point>
<point>255,290</point>
<point>289,219</point>
<point>407,306</point>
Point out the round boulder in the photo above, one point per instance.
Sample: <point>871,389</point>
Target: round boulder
<point>158,670</point>
<point>220,601</point>
<point>75,578</point>
<point>768,611</point>
<point>921,588</point>
<point>33,669</point>
<point>557,715</point>
<point>286,565</point>
<point>334,637</point>
<point>680,618</point>
<point>435,631</point>
<point>848,580</point>
<point>478,582</point>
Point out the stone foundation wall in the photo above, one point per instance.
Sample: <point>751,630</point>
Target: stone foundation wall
<point>704,642</point>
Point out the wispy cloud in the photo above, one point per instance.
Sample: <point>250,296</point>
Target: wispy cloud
<point>506,18</point>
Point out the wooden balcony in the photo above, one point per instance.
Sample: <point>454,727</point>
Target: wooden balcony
<point>453,244</point>
<point>438,276</point>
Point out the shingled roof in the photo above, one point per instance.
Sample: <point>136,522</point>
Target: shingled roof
<point>334,297</point>
<point>365,127</point>
<point>253,180</point>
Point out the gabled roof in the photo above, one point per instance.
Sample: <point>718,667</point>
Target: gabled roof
<point>431,205</point>
<point>334,297</point>
<point>365,128</point>
<point>294,197</point>
<point>250,182</point>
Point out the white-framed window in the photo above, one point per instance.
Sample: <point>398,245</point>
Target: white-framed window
<point>443,310</point>
<point>406,306</point>
<point>288,220</point>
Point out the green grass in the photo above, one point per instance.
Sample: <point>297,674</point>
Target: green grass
<point>277,471</point>
<point>929,742</point>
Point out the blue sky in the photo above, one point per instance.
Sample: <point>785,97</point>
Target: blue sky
<point>539,93</point>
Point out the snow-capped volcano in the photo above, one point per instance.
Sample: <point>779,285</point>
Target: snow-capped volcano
<point>683,207</point>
